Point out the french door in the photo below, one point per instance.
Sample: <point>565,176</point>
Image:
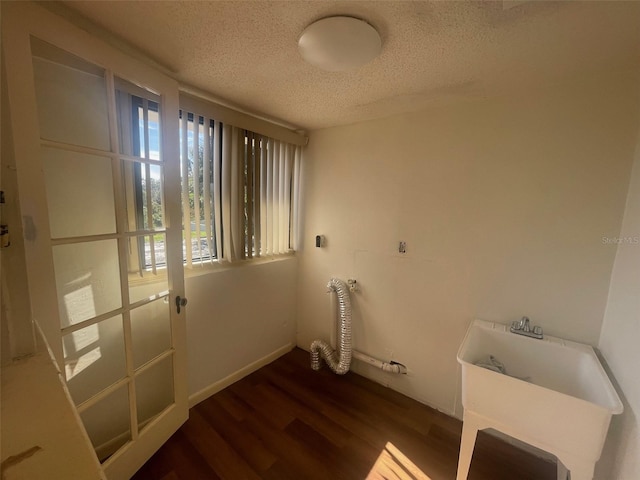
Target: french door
<point>95,137</point>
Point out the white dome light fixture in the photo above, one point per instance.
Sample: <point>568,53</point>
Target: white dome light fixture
<point>339,43</point>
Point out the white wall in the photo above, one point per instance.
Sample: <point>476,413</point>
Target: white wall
<point>619,343</point>
<point>236,316</point>
<point>503,204</point>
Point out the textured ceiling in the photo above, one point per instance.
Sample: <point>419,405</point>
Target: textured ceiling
<point>433,52</point>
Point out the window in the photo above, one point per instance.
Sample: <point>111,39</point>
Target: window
<point>147,180</point>
<point>237,187</point>
<point>143,176</point>
<point>237,191</point>
<point>200,150</point>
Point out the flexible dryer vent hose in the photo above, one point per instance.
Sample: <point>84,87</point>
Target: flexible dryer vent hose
<point>338,360</point>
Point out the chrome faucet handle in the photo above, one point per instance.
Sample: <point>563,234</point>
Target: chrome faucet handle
<point>523,327</point>
<point>519,324</point>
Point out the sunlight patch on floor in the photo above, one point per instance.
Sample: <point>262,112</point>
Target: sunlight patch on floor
<point>392,464</point>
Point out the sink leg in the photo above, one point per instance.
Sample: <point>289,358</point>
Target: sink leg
<point>469,434</point>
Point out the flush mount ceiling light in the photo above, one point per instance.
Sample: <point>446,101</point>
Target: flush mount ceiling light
<point>339,43</point>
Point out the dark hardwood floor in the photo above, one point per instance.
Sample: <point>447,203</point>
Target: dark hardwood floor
<point>287,422</point>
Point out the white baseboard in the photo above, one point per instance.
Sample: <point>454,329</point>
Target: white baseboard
<point>206,392</point>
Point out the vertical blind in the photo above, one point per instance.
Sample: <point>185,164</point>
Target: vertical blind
<point>239,193</point>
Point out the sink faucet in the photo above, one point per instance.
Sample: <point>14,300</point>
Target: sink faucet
<point>523,327</point>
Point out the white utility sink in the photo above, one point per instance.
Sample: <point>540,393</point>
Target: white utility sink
<point>555,396</point>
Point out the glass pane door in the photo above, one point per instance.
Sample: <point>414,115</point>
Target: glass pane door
<point>105,175</point>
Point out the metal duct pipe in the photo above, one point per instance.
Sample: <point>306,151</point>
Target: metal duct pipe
<point>338,360</point>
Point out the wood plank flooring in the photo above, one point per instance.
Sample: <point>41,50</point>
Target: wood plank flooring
<point>287,422</point>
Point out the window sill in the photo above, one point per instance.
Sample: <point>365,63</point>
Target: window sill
<point>136,280</point>
<point>198,270</point>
